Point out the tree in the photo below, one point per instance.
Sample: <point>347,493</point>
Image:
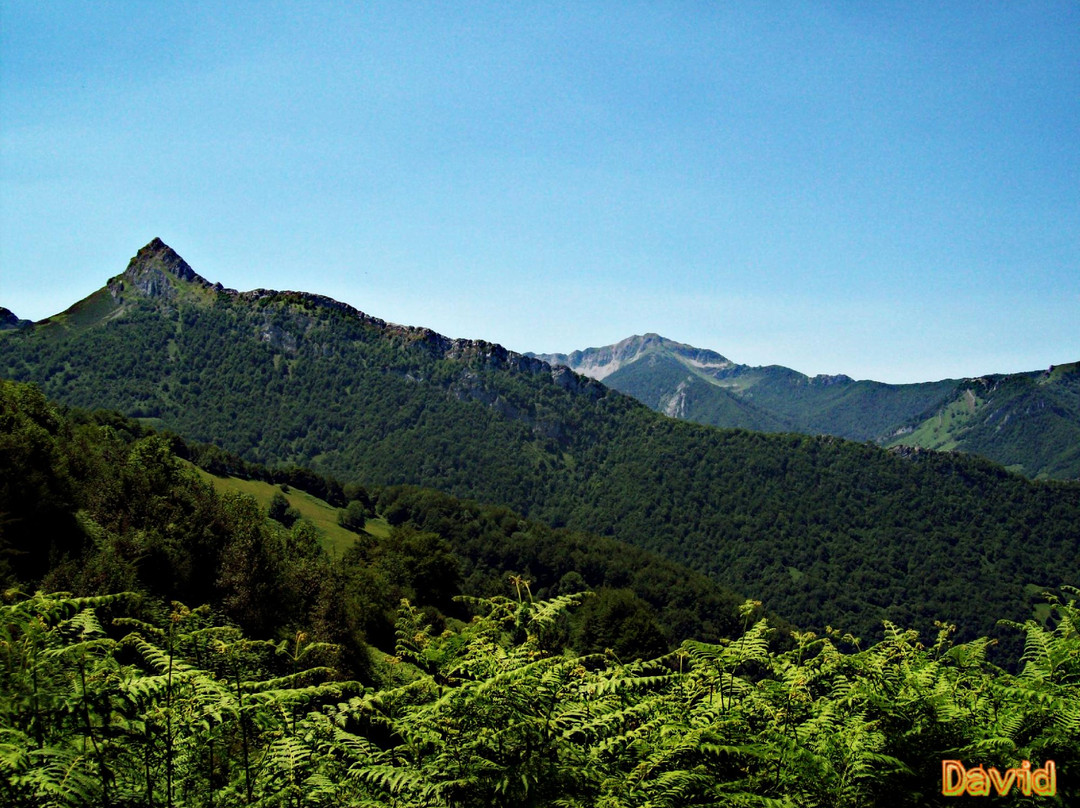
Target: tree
<point>424,562</point>
<point>250,580</point>
<point>281,511</point>
<point>354,516</point>
<point>618,621</point>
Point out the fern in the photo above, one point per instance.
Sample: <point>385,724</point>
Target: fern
<point>195,714</point>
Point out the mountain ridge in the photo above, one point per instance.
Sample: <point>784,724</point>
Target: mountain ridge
<point>701,385</point>
<point>824,531</point>
<point>149,268</point>
<point>9,320</point>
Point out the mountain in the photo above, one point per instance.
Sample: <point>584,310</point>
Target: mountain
<point>8,320</point>
<point>1029,422</point>
<point>823,530</point>
<point>678,380</point>
<point>700,385</point>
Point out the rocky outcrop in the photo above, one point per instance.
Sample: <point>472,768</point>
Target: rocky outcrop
<point>910,452</point>
<point>824,380</point>
<point>675,406</point>
<point>153,269</point>
<point>287,317</point>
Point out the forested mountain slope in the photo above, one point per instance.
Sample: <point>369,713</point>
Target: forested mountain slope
<point>1030,421</point>
<point>823,530</point>
<point>95,503</point>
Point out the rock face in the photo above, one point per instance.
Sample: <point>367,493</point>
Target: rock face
<point>149,271</point>
<point>675,407</point>
<point>599,363</point>
<point>155,264</point>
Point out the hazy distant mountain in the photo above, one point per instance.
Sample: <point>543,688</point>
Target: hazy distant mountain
<point>1029,422</point>
<point>675,379</point>
<point>824,530</point>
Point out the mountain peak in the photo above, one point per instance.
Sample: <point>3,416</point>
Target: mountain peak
<point>599,363</point>
<point>154,265</point>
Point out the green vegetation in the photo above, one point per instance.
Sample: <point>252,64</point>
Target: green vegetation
<point>859,410</point>
<point>106,705</point>
<point>93,504</point>
<point>321,515</point>
<point>521,664</point>
<point>1030,421</point>
<point>823,531</point>
<point>940,431</point>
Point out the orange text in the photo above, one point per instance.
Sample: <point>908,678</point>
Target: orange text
<point>977,781</point>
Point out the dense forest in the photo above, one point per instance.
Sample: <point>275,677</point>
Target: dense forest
<point>397,675</point>
<point>822,530</point>
<point>95,503</point>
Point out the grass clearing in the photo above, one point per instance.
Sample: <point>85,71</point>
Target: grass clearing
<point>1041,609</point>
<point>378,527</point>
<point>323,516</point>
<point>942,431</point>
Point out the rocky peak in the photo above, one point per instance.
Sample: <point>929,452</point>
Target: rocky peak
<point>825,380</point>
<point>153,267</point>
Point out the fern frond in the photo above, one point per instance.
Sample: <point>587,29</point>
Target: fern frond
<point>285,682</point>
<point>397,781</point>
<point>60,775</point>
<point>14,751</point>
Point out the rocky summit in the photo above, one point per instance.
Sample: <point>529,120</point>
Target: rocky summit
<point>8,319</point>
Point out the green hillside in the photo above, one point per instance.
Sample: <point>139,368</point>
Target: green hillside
<point>859,410</point>
<point>1027,421</point>
<point>822,530</point>
<point>94,503</point>
<point>335,539</point>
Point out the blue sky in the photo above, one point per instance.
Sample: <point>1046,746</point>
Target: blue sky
<point>888,190</point>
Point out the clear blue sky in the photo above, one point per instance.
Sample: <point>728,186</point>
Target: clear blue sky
<point>888,190</point>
